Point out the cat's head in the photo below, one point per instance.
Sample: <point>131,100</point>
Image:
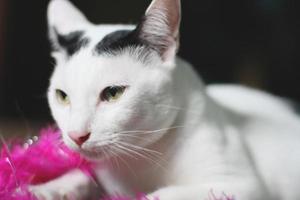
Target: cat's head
<point>112,85</point>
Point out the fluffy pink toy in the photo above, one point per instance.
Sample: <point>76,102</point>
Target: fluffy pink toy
<point>39,160</point>
<point>35,162</point>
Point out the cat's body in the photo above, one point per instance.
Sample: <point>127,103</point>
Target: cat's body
<point>172,137</point>
<point>245,134</point>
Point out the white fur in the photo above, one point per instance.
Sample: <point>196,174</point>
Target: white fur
<point>228,139</point>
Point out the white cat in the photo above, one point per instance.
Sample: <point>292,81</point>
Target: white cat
<point>119,93</point>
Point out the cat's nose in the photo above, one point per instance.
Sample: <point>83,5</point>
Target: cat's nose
<point>79,137</point>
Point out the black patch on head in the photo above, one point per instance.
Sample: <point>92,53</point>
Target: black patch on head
<point>115,42</point>
<point>72,42</point>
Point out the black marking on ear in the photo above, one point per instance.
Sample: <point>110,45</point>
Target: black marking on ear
<point>72,42</point>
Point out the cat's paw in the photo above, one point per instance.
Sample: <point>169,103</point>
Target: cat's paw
<point>162,194</point>
<point>178,193</point>
<point>74,185</point>
<point>50,193</point>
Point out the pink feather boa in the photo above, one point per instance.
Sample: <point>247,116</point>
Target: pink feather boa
<point>36,162</point>
<point>42,159</point>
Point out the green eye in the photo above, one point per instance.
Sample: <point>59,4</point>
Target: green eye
<point>62,97</point>
<point>112,93</point>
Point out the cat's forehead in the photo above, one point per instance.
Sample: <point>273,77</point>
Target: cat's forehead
<point>102,39</point>
<point>90,70</point>
<point>106,54</point>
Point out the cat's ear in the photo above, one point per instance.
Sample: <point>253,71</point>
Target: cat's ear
<point>160,27</point>
<point>66,25</point>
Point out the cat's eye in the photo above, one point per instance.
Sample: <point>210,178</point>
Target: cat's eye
<point>112,93</point>
<point>62,97</point>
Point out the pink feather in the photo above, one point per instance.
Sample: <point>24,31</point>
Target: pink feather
<point>46,159</point>
<point>40,161</point>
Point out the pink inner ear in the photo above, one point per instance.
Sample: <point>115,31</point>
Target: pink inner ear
<point>171,10</point>
<point>160,27</point>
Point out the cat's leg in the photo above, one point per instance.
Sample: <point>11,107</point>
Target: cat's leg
<point>112,184</point>
<point>215,191</point>
<point>179,193</point>
<point>73,185</point>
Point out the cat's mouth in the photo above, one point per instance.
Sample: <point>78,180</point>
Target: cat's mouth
<point>99,153</point>
<point>93,155</point>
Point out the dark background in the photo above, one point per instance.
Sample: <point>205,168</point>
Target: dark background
<point>254,42</point>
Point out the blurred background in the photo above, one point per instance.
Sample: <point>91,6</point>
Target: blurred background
<point>253,42</point>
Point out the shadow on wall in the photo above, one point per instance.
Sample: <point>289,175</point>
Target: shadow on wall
<point>252,42</point>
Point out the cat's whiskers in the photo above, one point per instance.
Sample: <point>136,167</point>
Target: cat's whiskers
<point>125,151</point>
<point>147,152</point>
<point>135,137</point>
<point>101,143</point>
<point>131,149</point>
<point>114,157</point>
<point>133,134</point>
<point>140,151</point>
<point>108,157</point>
<point>103,150</point>
<point>142,148</point>
<point>151,131</point>
<point>116,153</point>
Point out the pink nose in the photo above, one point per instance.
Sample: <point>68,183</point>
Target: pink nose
<point>79,138</point>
